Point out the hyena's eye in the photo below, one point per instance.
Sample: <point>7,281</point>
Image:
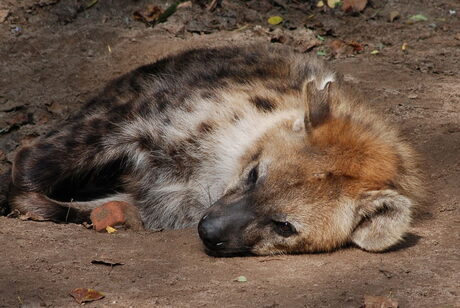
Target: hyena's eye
<point>284,228</point>
<point>253,175</point>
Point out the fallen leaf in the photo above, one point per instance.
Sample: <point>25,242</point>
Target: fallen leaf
<point>321,53</point>
<point>393,16</point>
<point>375,52</point>
<point>275,20</point>
<point>339,47</point>
<point>105,262</point>
<point>149,15</point>
<point>241,279</point>
<point>404,46</point>
<point>358,47</point>
<point>83,295</point>
<point>110,229</point>
<point>320,4</point>
<point>379,302</point>
<point>412,96</point>
<point>319,37</point>
<point>184,5</point>
<point>212,6</point>
<point>333,3</point>
<point>354,5</point>
<point>3,15</point>
<point>417,18</point>
<point>90,4</point>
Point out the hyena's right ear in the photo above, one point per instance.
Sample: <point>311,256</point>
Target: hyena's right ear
<point>383,217</point>
<point>318,98</point>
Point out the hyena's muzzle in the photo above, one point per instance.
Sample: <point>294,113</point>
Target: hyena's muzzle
<point>223,225</point>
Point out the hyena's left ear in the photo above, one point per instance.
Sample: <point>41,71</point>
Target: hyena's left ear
<point>318,102</point>
<point>383,218</point>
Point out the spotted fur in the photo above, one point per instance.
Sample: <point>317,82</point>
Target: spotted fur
<point>176,136</point>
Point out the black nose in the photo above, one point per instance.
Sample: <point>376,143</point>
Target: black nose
<point>211,231</point>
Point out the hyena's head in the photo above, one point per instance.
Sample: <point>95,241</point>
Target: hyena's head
<point>315,184</point>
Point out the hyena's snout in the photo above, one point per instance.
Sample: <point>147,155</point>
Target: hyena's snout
<point>222,227</point>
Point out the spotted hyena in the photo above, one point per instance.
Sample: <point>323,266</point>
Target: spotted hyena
<point>268,149</point>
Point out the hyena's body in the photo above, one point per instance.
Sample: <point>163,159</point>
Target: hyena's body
<point>183,132</point>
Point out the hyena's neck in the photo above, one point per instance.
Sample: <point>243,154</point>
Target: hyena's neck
<point>230,143</point>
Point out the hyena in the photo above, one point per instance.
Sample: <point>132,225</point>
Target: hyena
<point>268,150</point>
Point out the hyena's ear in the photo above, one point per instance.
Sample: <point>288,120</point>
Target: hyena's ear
<point>383,218</point>
<point>318,102</point>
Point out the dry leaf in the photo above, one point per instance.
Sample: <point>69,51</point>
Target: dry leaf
<point>393,16</point>
<point>110,229</point>
<point>275,20</point>
<point>354,5</point>
<point>379,302</point>
<point>183,5</point>
<point>83,295</point>
<point>3,15</point>
<point>149,15</point>
<point>106,262</point>
<point>358,47</point>
<point>333,3</point>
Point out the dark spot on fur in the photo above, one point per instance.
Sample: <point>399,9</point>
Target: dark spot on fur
<point>162,99</point>
<point>120,112</point>
<point>207,95</point>
<point>144,142</point>
<point>144,107</point>
<point>263,104</point>
<point>92,139</point>
<point>235,118</point>
<point>205,127</point>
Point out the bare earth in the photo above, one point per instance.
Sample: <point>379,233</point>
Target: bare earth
<point>55,54</point>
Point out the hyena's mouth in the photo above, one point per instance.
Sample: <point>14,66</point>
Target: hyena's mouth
<point>228,253</point>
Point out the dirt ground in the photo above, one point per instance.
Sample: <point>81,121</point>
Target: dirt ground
<point>55,54</point>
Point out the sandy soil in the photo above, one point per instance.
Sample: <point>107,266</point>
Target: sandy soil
<point>55,54</point>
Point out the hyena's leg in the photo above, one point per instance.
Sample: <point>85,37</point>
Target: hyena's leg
<point>49,209</point>
<point>82,148</point>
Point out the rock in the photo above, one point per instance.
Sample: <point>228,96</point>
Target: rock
<point>116,213</point>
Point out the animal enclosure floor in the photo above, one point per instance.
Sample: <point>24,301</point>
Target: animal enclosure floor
<point>54,55</point>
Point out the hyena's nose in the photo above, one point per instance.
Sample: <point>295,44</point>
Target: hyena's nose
<point>222,226</point>
<point>211,232</point>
